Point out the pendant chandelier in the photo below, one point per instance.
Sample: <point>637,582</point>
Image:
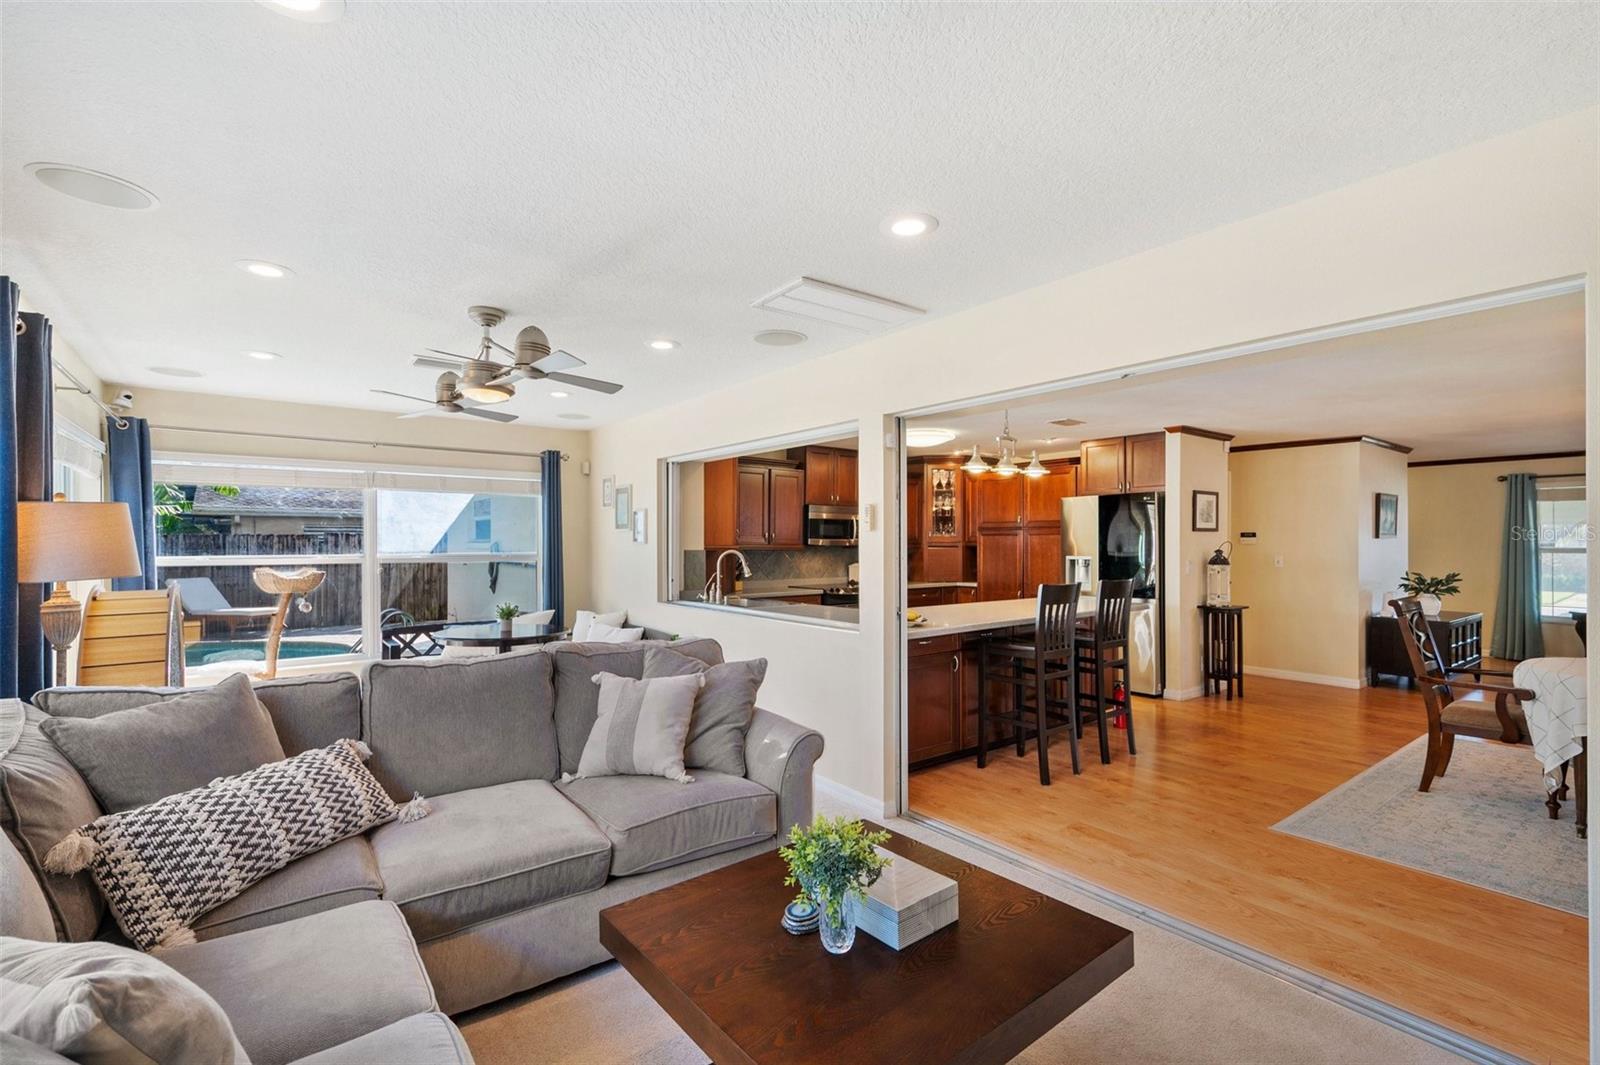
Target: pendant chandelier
<point>1006,464</point>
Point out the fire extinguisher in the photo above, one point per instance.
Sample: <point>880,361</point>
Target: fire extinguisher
<point>1119,695</point>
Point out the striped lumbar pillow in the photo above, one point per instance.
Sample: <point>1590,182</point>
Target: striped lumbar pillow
<point>162,865</point>
<point>641,727</point>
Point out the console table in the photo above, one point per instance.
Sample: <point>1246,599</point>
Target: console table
<point>1222,649</point>
<point>1458,634</point>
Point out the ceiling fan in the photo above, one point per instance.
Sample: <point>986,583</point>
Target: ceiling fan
<point>485,380</point>
<point>448,398</point>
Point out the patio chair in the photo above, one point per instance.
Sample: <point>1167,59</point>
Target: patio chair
<point>202,600</point>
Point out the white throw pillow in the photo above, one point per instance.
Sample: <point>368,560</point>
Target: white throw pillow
<point>600,632</point>
<point>101,1004</point>
<point>586,618</point>
<point>529,622</point>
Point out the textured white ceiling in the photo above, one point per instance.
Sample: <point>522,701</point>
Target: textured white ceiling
<point>1507,381</point>
<point>615,173</point>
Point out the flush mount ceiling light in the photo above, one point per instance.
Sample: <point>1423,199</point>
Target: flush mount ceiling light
<point>927,436</point>
<point>81,183</point>
<point>910,225</point>
<point>262,268</point>
<point>264,356</point>
<point>663,345</point>
<point>306,10</point>
<point>780,338</point>
<point>174,371</point>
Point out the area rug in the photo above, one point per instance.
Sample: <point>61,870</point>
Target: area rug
<point>1483,823</point>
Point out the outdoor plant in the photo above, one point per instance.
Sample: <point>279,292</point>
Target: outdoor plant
<point>1417,584</point>
<point>833,859</point>
<point>173,504</point>
<point>507,611</point>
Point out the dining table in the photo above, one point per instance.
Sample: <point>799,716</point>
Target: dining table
<point>1558,720</point>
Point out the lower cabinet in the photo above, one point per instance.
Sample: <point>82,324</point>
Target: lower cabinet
<point>933,697</point>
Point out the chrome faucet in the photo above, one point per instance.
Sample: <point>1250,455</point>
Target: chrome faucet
<point>712,592</point>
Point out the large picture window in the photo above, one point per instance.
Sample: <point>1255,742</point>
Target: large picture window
<point>402,551</point>
<point>1564,536</point>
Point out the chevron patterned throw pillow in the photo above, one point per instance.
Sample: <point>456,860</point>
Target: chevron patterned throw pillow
<point>162,865</point>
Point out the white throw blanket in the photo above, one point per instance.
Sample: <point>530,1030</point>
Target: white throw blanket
<point>1558,716</point>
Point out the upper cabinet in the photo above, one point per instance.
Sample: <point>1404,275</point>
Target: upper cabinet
<point>1042,496</point>
<point>754,505</point>
<point>945,515</point>
<point>998,500</point>
<point>831,476</point>
<point>1123,464</point>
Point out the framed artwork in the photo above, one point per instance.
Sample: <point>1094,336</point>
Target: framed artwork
<point>624,504</point>
<point>1204,518</point>
<point>1385,516</point>
<point>641,525</point>
<point>608,492</point>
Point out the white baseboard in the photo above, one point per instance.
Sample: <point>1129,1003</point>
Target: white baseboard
<point>1304,678</point>
<point>855,801</point>
<point>1180,694</point>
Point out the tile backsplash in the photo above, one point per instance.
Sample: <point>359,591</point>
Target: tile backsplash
<point>808,564</point>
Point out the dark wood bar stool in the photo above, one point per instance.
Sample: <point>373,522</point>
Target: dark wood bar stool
<point>1046,661</point>
<point>1103,651</point>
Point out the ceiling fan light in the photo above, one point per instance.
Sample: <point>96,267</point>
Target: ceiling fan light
<point>487,393</point>
<point>1034,468</point>
<point>976,463</point>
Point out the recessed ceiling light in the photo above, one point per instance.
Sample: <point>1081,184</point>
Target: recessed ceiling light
<point>560,395</point>
<point>663,345</point>
<point>261,268</point>
<point>175,371</point>
<point>927,436</point>
<point>574,417</point>
<point>264,356</point>
<point>910,225</point>
<point>81,183</point>
<point>306,10</point>
<point>780,338</point>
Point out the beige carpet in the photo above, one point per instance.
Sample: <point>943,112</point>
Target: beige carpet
<point>1181,1003</point>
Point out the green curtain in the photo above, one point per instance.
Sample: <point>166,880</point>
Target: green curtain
<point>1517,631</point>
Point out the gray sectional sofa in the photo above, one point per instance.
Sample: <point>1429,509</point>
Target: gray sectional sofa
<point>359,952</point>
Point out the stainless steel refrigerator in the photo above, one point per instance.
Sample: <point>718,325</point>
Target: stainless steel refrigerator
<point>1119,538</point>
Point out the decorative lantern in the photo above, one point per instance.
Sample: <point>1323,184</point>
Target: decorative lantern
<point>1219,591</point>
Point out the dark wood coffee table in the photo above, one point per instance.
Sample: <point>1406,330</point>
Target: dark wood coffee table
<point>711,951</point>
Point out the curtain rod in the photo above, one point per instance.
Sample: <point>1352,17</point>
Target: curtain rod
<point>1543,476</point>
<point>79,386</point>
<point>565,456</point>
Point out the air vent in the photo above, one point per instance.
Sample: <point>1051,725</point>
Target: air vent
<point>822,302</point>
<point>1068,423</point>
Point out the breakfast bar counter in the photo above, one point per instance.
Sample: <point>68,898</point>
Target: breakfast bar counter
<point>975,617</point>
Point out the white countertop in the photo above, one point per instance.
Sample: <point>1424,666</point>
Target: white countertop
<point>833,617</point>
<point>973,617</point>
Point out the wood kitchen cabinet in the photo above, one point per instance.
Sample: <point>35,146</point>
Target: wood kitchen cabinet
<point>1123,464</point>
<point>998,501</point>
<point>1000,563</point>
<point>934,705</point>
<point>1041,559</point>
<point>831,476</point>
<point>1042,496</point>
<point>751,505</point>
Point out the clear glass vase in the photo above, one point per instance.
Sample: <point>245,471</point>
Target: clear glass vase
<point>839,936</point>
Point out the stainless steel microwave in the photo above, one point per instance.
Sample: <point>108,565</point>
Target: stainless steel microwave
<point>832,526</point>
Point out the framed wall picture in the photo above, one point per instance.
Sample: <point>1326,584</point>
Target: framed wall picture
<point>624,504</point>
<point>641,525</point>
<point>1385,516</point>
<point>1204,517</point>
<point>608,491</point>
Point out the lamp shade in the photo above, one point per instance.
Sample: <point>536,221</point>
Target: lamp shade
<point>62,541</point>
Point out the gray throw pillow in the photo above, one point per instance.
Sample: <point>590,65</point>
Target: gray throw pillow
<point>133,757</point>
<point>641,727</point>
<point>100,1004</point>
<point>722,711</point>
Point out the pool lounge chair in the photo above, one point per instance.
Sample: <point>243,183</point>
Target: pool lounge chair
<point>202,600</point>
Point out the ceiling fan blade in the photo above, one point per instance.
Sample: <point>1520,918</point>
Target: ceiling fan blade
<point>401,395</point>
<point>608,387</point>
<point>492,415</point>
<point>559,360</point>
<point>434,363</point>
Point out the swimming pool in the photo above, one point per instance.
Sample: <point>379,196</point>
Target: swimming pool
<point>211,652</point>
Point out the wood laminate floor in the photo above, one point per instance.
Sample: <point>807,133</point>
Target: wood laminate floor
<point>1186,827</point>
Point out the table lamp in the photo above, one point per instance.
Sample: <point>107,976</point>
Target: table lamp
<point>60,542</point>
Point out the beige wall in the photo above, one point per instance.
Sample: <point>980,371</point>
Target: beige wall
<point>1382,562</point>
<point>1512,211</point>
<point>1194,463</point>
<point>196,423</point>
<point>1457,515</point>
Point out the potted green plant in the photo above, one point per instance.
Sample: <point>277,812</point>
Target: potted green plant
<point>506,612</point>
<point>1431,590</point>
<point>834,861</point>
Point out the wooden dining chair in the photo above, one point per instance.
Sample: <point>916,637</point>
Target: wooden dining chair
<point>1456,707</point>
<point>1046,662</point>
